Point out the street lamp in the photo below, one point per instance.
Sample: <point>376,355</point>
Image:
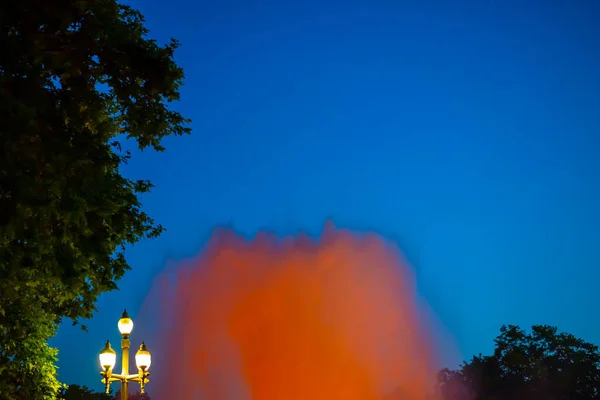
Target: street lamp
<point>108,359</point>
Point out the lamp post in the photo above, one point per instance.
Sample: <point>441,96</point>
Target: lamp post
<point>108,359</point>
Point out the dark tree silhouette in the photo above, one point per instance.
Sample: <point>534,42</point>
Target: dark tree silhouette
<point>76,392</point>
<point>541,365</point>
<point>136,396</point>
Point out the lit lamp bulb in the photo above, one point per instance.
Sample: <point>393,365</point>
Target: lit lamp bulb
<point>143,359</point>
<point>108,357</point>
<point>125,325</point>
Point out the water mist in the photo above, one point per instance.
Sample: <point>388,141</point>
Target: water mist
<point>296,318</point>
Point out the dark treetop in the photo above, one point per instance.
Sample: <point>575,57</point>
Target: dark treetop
<point>543,364</point>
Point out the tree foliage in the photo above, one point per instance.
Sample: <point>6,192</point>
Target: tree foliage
<point>30,373</point>
<point>136,396</point>
<point>77,392</point>
<point>77,77</point>
<point>543,364</point>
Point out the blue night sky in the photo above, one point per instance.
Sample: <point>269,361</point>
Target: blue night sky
<point>468,131</point>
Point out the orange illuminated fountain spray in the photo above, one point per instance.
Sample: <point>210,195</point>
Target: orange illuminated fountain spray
<point>293,319</point>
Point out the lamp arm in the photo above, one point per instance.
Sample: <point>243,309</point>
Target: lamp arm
<point>108,377</point>
<point>117,377</point>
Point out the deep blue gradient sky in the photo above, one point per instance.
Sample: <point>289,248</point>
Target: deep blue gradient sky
<point>468,131</point>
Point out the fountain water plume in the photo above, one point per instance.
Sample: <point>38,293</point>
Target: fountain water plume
<point>333,318</point>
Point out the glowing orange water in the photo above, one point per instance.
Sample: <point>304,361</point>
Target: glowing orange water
<point>294,318</point>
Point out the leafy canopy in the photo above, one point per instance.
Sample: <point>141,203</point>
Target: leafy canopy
<point>544,364</point>
<point>77,392</point>
<point>76,78</point>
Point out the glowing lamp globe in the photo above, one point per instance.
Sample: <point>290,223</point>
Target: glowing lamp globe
<point>125,324</point>
<point>143,359</point>
<point>108,357</point>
